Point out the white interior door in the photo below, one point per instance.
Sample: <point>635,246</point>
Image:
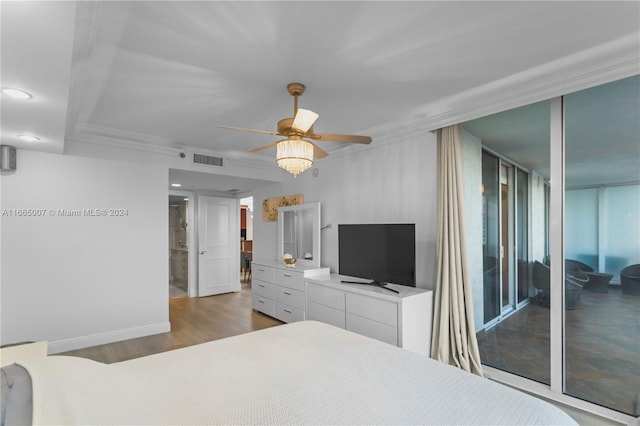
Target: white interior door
<point>218,245</point>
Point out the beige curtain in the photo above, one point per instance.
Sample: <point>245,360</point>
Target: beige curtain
<point>454,338</point>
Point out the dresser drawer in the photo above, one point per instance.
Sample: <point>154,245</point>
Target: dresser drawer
<point>290,297</point>
<point>325,314</point>
<point>261,272</point>
<point>291,279</point>
<point>263,304</point>
<point>262,288</point>
<point>371,328</point>
<point>325,296</point>
<point>287,313</point>
<point>381,311</point>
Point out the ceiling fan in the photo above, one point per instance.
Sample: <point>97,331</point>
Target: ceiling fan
<point>295,154</point>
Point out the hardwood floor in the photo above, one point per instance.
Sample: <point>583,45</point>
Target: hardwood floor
<point>193,321</point>
<point>602,348</point>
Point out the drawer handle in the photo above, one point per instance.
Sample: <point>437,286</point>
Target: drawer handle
<point>287,311</point>
<point>260,285</point>
<point>260,300</point>
<point>261,270</point>
<point>287,275</point>
<point>287,293</point>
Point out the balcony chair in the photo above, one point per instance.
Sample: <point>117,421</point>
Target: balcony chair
<point>542,281</point>
<point>630,279</point>
<point>583,274</point>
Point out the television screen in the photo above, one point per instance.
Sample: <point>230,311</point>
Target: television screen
<point>385,253</point>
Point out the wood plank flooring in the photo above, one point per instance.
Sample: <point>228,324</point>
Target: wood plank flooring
<point>193,321</point>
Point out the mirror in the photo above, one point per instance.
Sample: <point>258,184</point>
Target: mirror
<point>299,233</point>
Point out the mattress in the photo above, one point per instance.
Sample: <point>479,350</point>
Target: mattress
<point>299,373</point>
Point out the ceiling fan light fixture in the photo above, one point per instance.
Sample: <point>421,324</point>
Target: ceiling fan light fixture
<point>294,155</point>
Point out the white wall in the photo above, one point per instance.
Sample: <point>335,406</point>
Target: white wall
<point>388,183</point>
<point>81,281</point>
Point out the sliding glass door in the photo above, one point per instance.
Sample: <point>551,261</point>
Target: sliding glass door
<point>602,238</point>
<point>561,243</point>
<point>506,269</point>
<point>514,335</point>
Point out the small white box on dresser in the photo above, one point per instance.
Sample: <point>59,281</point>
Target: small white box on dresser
<point>402,319</point>
<point>279,291</point>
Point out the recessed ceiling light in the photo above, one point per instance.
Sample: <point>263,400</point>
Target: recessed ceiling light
<point>176,185</point>
<point>16,94</point>
<point>29,138</point>
<point>186,199</point>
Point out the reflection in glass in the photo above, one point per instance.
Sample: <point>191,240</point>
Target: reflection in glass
<point>602,236</point>
<point>491,236</point>
<point>299,233</point>
<point>514,336</point>
<point>522,234</point>
<point>289,233</point>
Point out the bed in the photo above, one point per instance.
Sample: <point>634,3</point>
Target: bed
<point>299,373</point>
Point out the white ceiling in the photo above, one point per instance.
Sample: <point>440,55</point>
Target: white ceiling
<point>167,73</point>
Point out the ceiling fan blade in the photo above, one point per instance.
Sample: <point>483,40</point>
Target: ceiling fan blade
<point>266,132</point>
<point>317,151</point>
<point>333,137</point>
<point>304,119</point>
<point>269,145</point>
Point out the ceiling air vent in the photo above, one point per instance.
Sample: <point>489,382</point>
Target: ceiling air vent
<point>207,159</point>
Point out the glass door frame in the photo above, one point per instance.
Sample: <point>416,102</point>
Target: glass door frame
<point>555,250</point>
<point>511,247</point>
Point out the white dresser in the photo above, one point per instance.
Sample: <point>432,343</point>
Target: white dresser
<point>402,319</point>
<point>279,291</point>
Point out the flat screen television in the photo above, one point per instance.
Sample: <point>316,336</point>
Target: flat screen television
<point>381,253</point>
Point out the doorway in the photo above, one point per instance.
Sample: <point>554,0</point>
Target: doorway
<point>246,238</point>
<point>178,246</point>
<point>218,245</point>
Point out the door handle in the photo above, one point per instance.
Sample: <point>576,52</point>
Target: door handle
<point>203,252</point>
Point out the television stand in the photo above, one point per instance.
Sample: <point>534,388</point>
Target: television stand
<point>401,319</point>
<point>374,283</point>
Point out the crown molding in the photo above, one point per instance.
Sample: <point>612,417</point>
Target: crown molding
<point>124,140</point>
<point>115,138</point>
<point>601,64</point>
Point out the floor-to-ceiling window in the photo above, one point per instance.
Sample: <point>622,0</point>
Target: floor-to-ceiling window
<point>578,332</point>
<point>514,334</point>
<point>602,237</point>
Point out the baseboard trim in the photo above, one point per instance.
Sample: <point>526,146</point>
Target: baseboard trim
<point>107,337</point>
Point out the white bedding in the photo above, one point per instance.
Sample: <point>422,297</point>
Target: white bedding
<point>299,373</point>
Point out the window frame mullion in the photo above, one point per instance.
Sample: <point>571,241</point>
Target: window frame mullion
<point>557,243</point>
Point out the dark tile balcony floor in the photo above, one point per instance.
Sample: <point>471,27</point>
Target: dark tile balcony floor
<point>602,348</point>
